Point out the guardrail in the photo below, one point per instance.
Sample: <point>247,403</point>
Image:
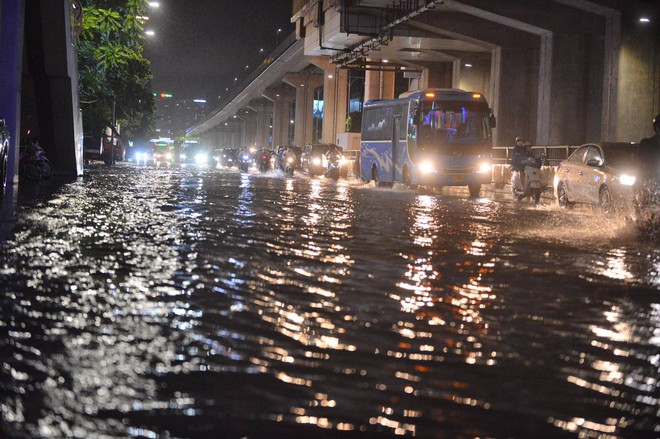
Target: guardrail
<point>553,154</point>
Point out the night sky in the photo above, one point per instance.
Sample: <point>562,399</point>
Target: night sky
<point>200,46</point>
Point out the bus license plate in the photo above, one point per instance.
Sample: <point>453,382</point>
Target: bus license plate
<point>457,179</point>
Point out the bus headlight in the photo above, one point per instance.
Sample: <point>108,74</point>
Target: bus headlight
<point>627,180</point>
<point>426,167</point>
<point>483,167</point>
<point>201,159</point>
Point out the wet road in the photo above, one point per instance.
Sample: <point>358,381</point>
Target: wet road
<point>184,303</point>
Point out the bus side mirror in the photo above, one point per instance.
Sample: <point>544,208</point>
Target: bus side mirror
<point>492,121</point>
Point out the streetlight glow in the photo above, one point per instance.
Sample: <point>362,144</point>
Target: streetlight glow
<point>154,4</point>
<point>149,33</point>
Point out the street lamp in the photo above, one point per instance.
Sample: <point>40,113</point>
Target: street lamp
<point>154,4</point>
<point>149,33</point>
<point>277,36</point>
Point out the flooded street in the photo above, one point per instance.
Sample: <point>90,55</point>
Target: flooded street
<point>190,303</point>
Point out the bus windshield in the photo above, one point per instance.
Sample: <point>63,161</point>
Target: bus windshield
<point>442,123</point>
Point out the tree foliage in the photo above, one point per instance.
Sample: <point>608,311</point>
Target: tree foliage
<point>112,67</point>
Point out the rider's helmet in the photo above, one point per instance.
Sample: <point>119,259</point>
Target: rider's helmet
<point>520,140</point>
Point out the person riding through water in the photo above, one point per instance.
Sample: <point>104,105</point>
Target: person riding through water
<point>649,149</point>
<point>521,152</point>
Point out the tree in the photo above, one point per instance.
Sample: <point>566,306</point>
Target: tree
<point>112,68</point>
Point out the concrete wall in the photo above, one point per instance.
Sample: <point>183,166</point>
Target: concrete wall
<point>639,80</point>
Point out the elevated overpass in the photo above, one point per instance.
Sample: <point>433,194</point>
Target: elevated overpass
<point>560,72</point>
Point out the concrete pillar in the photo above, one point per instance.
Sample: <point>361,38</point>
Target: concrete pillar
<point>57,91</point>
<point>249,132</point>
<point>263,118</point>
<point>330,94</point>
<point>304,83</point>
<point>12,16</point>
<point>281,97</point>
<point>514,94</point>
<point>378,85</point>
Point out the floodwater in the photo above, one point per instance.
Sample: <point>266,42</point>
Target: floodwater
<point>188,303</point>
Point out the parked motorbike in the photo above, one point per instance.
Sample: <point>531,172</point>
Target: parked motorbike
<point>532,185</point>
<point>333,161</point>
<point>33,163</point>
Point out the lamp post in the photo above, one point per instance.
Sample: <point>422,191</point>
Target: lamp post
<point>277,36</point>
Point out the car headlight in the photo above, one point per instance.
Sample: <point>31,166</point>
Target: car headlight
<point>316,161</point>
<point>483,167</point>
<point>201,158</point>
<point>627,180</point>
<point>426,166</point>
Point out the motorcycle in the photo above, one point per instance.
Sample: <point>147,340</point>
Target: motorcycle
<point>244,160</point>
<point>532,185</point>
<point>263,160</point>
<point>33,163</point>
<point>289,162</point>
<point>333,165</point>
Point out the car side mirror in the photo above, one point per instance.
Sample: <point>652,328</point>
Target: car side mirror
<point>594,163</point>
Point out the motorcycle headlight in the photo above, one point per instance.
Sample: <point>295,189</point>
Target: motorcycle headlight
<point>289,160</point>
<point>168,156</point>
<point>246,157</point>
<point>483,167</point>
<point>627,180</point>
<point>316,161</point>
<point>426,166</point>
<point>183,156</point>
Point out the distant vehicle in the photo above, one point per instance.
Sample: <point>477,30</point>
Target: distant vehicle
<point>432,138</point>
<point>263,160</point>
<point>599,174</point>
<point>245,159</point>
<point>195,153</point>
<point>311,160</point>
<point>290,159</point>
<point>92,148</point>
<point>163,154</point>
<point>226,157</point>
<point>4,155</point>
<point>140,154</point>
<point>333,161</point>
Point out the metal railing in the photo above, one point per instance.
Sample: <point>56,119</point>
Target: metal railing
<point>553,154</point>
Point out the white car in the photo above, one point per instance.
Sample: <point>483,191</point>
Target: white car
<point>600,174</point>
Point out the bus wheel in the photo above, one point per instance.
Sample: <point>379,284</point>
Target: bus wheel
<point>474,190</point>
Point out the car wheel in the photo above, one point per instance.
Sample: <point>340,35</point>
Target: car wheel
<point>562,197</point>
<point>605,200</point>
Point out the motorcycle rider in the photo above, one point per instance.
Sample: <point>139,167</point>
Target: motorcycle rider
<point>649,149</point>
<point>521,152</point>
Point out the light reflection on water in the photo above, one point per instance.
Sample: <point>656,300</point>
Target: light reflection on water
<point>187,303</point>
